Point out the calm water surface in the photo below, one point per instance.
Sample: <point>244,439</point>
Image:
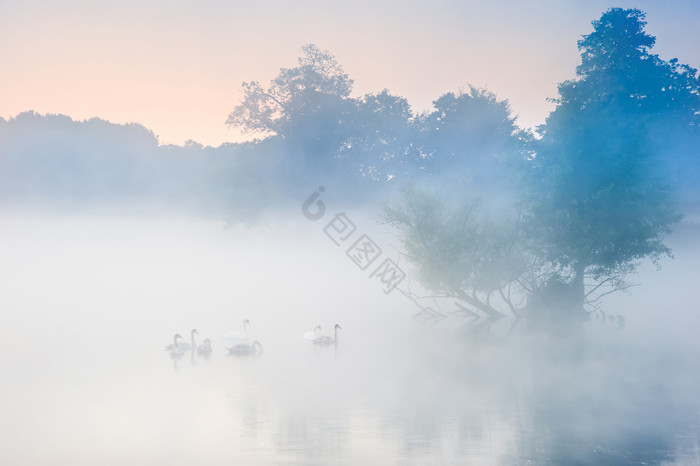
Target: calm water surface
<point>88,303</point>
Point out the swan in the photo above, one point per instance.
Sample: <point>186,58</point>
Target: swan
<point>174,345</point>
<point>313,334</point>
<point>244,349</point>
<point>174,349</point>
<point>237,336</point>
<point>205,348</point>
<point>189,346</point>
<point>325,340</point>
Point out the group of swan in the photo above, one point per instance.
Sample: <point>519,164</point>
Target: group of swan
<point>177,348</point>
<point>239,341</point>
<point>322,340</point>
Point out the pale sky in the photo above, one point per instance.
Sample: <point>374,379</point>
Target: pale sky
<point>176,66</point>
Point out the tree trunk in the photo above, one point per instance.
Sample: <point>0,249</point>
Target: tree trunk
<point>578,292</point>
<point>556,316</point>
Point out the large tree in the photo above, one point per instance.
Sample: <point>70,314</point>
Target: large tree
<point>324,131</point>
<point>462,250</point>
<point>311,91</point>
<point>599,202</point>
<point>382,143</point>
<point>596,197</point>
<point>471,138</point>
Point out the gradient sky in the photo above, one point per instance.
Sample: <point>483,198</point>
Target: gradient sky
<point>176,66</point>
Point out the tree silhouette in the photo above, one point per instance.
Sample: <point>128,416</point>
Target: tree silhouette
<point>599,202</point>
<point>472,137</point>
<point>381,143</point>
<point>308,95</point>
<point>596,192</point>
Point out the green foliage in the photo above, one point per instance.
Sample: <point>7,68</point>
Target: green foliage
<point>376,137</point>
<point>596,187</point>
<point>472,125</point>
<point>304,96</point>
<point>325,131</point>
<point>462,250</point>
<point>381,144</point>
<point>472,134</point>
<point>601,203</point>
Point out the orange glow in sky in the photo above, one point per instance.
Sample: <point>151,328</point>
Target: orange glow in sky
<point>177,66</point>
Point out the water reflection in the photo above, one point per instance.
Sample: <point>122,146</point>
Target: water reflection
<point>492,408</point>
<point>394,393</point>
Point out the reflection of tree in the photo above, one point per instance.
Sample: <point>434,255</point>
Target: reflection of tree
<point>467,403</point>
<point>612,411</point>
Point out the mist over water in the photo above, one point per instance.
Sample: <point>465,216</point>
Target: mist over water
<point>89,302</point>
<point>471,277</point>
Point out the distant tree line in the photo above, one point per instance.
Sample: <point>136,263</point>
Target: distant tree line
<point>52,160</point>
<point>373,141</point>
<point>309,130</point>
<point>490,211</point>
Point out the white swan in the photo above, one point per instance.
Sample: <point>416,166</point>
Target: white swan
<point>188,346</point>
<point>205,348</point>
<point>244,349</point>
<point>325,340</point>
<point>173,345</point>
<point>312,334</point>
<point>174,349</point>
<point>237,337</point>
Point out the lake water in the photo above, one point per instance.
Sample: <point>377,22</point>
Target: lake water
<point>89,302</point>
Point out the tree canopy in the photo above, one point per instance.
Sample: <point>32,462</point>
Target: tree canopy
<point>596,191</point>
<point>306,96</point>
<point>599,203</point>
<point>375,137</point>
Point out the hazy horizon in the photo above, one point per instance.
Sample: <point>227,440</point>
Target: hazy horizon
<point>89,302</point>
<point>403,272</point>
